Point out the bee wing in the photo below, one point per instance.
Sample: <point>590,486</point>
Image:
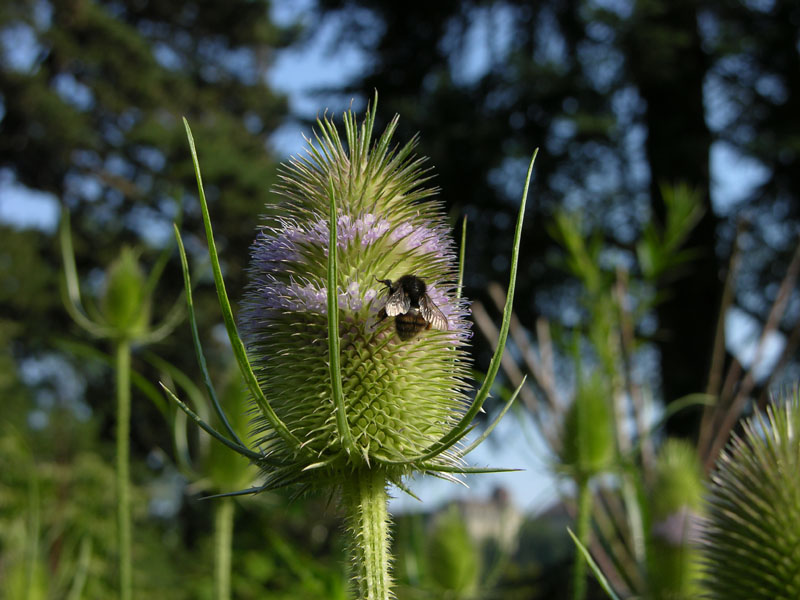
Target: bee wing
<point>432,314</point>
<point>398,303</point>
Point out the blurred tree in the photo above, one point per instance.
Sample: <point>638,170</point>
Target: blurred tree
<point>92,97</point>
<point>667,65</point>
<point>624,97</point>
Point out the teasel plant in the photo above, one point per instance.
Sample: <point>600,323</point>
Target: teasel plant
<point>123,317</point>
<point>341,404</point>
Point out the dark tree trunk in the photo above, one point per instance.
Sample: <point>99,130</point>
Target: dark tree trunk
<point>669,67</point>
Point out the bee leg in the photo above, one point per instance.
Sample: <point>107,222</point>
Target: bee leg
<point>381,316</point>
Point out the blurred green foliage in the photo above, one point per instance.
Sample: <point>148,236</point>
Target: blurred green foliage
<point>57,525</point>
<point>453,559</point>
<point>637,495</point>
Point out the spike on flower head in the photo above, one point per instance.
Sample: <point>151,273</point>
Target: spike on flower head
<point>400,395</point>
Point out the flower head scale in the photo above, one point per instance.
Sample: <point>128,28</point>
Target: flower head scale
<point>400,396</point>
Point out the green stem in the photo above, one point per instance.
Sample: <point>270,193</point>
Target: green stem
<point>582,529</point>
<point>223,538</point>
<point>33,534</point>
<point>123,369</point>
<point>365,500</point>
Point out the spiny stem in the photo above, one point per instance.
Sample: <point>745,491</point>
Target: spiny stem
<point>223,537</point>
<point>123,370</point>
<point>365,500</point>
<point>582,530</point>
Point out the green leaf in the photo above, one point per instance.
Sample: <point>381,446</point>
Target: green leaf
<point>461,252</point>
<point>460,429</point>
<point>227,314</point>
<point>198,348</point>
<point>213,432</point>
<point>601,579</point>
<point>70,288</point>
<point>334,353</point>
<point>494,423</point>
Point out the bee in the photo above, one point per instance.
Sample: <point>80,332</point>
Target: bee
<point>412,308</point>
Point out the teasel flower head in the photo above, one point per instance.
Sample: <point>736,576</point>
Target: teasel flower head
<point>751,540</point>
<point>124,311</point>
<point>400,395</point>
<point>337,385</point>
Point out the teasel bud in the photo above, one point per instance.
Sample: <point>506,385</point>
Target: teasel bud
<point>125,305</point>
<point>587,449</point>
<point>222,469</point>
<point>454,558</point>
<point>676,503</point>
<point>124,312</point>
<point>587,437</point>
<point>751,540</point>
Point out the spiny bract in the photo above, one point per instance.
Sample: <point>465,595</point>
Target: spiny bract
<point>400,396</point>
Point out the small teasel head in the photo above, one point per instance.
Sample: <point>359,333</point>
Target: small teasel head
<point>587,435</point>
<point>676,502</point>
<point>401,393</point>
<point>124,312</point>
<point>125,304</point>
